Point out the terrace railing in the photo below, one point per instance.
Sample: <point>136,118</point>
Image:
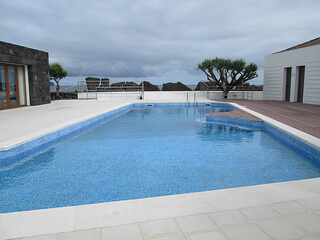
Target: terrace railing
<point>238,92</point>
<point>95,89</point>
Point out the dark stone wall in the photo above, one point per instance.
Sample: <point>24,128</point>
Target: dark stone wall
<point>64,95</point>
<point>38,69</point>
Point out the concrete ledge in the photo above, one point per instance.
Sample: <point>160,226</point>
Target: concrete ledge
<point>68,219</point>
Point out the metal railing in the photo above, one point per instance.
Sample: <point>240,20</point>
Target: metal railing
<point>93,88</point>
<point>238,92</point>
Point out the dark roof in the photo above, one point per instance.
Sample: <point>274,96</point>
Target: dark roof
<point>310,43</point>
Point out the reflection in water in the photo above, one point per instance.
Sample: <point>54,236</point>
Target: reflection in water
<point>210,132</point>
<point>29,165</point>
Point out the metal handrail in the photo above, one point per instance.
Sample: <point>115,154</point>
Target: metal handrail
<point>246,91</point>
<point>100,86</point>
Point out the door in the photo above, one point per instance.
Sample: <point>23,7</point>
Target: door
<point>288,83</point>
<point>3,87</point>
<point>301,70</point>
<point>12,78</point>
<point>12,86</point>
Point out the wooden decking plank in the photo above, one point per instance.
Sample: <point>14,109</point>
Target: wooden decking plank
<point>305,117</point>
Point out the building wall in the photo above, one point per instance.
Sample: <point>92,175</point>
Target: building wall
<point>275,74</point>
<point>37,63</point>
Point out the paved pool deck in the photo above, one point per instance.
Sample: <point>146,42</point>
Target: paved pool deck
<point>286,210</point>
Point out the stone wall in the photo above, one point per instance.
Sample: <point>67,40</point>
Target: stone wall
<point>38,69</point>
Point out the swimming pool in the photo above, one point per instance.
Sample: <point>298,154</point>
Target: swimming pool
<point>149,151</point>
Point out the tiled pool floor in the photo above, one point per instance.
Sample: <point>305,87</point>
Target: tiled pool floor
<point>288,210</point>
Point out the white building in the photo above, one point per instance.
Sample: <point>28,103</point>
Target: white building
<point>294,74</point>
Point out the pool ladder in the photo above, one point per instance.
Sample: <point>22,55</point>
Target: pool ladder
<point>190,97</point>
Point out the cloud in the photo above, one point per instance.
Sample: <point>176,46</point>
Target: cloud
<point>156,39</point>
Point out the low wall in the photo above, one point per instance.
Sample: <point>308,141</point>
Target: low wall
<point>64,95</point>
<point>110,96</point>
<point>250,95</point>
<point>172,96</point>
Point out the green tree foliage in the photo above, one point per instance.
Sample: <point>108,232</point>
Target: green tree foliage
<point>56,73</point>
<point>227,73</point>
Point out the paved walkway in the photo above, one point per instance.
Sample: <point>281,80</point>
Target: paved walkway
<point>288,210</point>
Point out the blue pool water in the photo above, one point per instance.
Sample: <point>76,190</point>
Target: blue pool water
<point>148,152</point>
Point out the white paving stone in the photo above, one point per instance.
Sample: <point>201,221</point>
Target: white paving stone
<point>311,203</point>
<point>196,223</point>
<point>308,238</point>
<point>280,229</point>
<point>91,234</point>
<point>178,236</point>
<point>160,228</point>
<point>246,231</point>
<point>226,218</point>
<point>213,234</point>
<point>260,213</point>
<point>122,232</point>
<point>288,208</point>
<point>310,222</point>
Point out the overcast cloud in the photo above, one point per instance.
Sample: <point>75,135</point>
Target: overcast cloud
<point>156,41</point>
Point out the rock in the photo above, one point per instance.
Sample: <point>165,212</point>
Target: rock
<point>117,87</point>
<point>131,87</point>
<point>175,87</point>
<point>124,86</point>
<point>149,87</point>
<point>92,83</point>
<point>104,86</point>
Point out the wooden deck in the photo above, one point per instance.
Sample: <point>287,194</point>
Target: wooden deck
<point>305,117</point>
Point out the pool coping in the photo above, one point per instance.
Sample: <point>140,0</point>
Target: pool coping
<point>83,217</point>
<point>55,220</point>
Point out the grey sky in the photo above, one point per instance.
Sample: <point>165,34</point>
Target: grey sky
<point>156,41</point>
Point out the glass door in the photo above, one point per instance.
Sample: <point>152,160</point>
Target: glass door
<point>3,87</point>
<point>13,85</point>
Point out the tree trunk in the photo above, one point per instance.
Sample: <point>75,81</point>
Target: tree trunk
<point>58,88</point>
<point>225,92</point>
